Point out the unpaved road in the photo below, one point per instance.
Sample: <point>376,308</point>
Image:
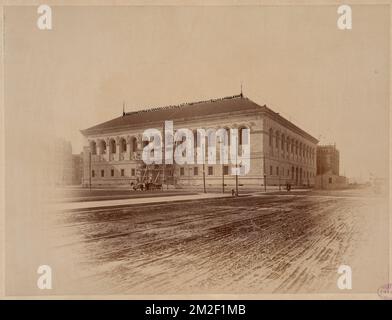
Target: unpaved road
<point>254,244</point>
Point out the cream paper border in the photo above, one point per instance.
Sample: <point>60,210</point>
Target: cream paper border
<point>4,3</point>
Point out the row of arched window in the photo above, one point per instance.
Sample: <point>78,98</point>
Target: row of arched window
<point>241,140</point>
<point>101,147</point>
<point>290,145</point>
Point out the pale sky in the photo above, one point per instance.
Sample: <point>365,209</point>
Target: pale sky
<point>332,83</point>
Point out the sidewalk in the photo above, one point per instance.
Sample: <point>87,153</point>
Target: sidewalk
<point>134,201</point>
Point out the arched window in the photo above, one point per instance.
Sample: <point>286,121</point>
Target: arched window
<point>282,143</point>
<point>112,145</point>
<point>183,139</point>
<point>271,132</point>
<point>133,144</point>
<point>277,139</point>
<point>228,135</point>
<point>242,140</point>
<point>102,146</point>
<point>195,138</point>
<point>123,145</point>
<point>296,147</point>
<point>223,143</point>
<point>93,147</point>
<point>288,144</point>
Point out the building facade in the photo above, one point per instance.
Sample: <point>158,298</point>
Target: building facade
<point>77,168</point>
<point>329,181</point>
<point>328,169</point>
<point>61,164</point>
<point>280,152</point>
<point>327,160</point>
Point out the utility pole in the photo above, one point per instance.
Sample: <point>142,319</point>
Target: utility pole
<point>236,173</point>
<point>265,175</point>
<point>163,157</point>
<point>223,178</point>
<point>204,170</point>
<point>89,169</point>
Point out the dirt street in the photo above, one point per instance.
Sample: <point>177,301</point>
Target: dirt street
<point>282,243</point>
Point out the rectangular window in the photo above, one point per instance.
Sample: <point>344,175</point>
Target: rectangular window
<point>330,180</point>
<point>112,172</point>
<point>132,172</point>
<point>182,171</point>
<point>122,172</point>
<point>277,171</point>
<point>270,137</point>
<point>210,171</point>
<point>102,173</point>
<point>93,173</point>
<point>271,173</point>
<point>225,170</point>
<point>195,171</point>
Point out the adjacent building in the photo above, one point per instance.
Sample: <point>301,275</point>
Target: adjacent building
<point>328,169</point>
<point>66,168</point>
<point>77,168</point>
<point>61,162</point>
<point>327,159</point>
<point>280,151</point>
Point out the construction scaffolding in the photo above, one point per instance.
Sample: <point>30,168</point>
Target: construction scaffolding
<point>156,175</point>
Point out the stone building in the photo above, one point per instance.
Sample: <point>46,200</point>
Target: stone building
<point>63,167</point>
<point>280,152</point>
<point>327,160</point>
<point>328,169</point>
<point>329,181</point>
<point>61,162</point>
<point>77,168</point>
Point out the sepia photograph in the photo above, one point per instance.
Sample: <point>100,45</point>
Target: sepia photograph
<point>203,149</point>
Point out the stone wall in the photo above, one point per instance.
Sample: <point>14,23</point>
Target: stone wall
<point>121,162</point>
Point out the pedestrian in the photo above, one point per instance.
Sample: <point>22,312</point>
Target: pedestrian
<point>232,192</point>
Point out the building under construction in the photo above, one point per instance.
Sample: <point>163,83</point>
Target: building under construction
<point>280,152</point>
